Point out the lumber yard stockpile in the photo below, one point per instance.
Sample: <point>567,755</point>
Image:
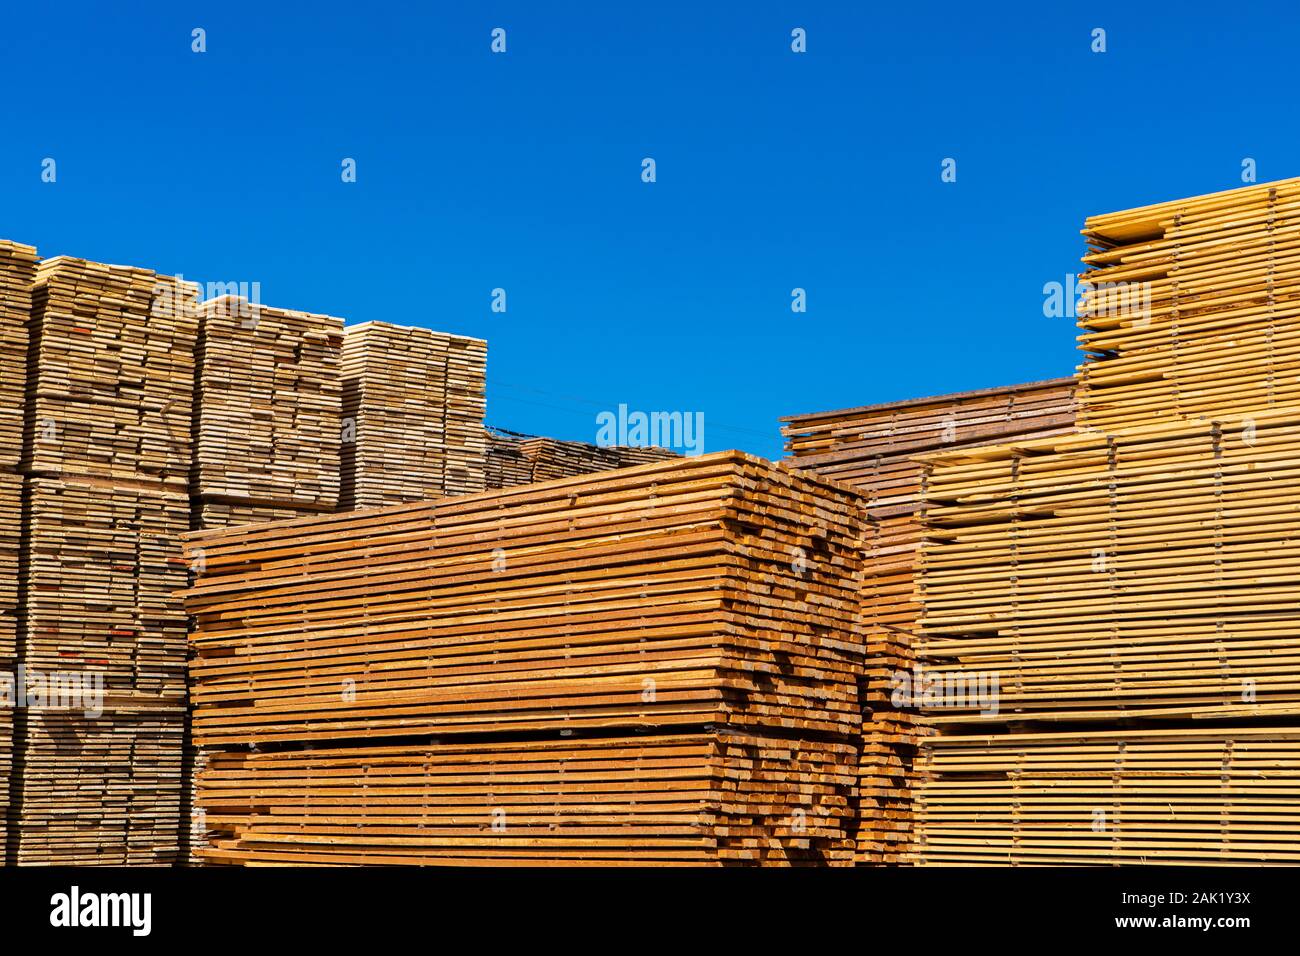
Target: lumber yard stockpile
<point>652,665</point>
<point>413,405</point>
<point>517,459</point>
<point>105,459</point>
<point>133,414</point>
<point>1131,588</point>
<point>873,449</point>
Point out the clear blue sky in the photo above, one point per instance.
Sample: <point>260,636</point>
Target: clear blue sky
<point>523,171</point>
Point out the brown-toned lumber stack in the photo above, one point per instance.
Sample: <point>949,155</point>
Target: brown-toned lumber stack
<point>698,799</point>
<point>106,452</point>
<point>515,459</point>
<point>210,516</point>
<point>11,522</point>
<point>718,590</point>
<point>1200,795</point>
<point>269,406</point>
<point>872,448</point>
<point>413,404</point>
<point>1194,308</point>
<point>17,276</point>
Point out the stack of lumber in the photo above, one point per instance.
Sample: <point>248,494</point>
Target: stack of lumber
<point>102,570</point>
<point>1200,796</point>
<point>110,372</point>
<point>98,790</point>
<point>107,447</point>
<point>714,589</point>
<point>414,400</point>
<point>1195,308</point>
<point>516,459</point>
<point>1146,573</point>
<point>873,449</point>
<point>673,597</point>
<point>11,524</point>
<point>269,406</point>
<point>693,799</point>
<point>17,275</point>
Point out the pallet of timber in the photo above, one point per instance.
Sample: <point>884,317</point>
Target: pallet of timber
<point>101,576</point>
<point>1147,573</point>
<point>6,761</point>
<point>1191,308</point>
<point>17,276</point>
<point>692,799</point>
<point>413,404</point>
<point>718,589</point>
<point>269,405</point>
<point>1199,796</point>
<point>110,372</point>
<point>873,448</point>
<point>516,459</point>
<point>98,789</point>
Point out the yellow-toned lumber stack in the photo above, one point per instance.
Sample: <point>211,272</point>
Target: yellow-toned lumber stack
<point>692,623</point>
<point>413,404</point>
<point>1192,308</point>
<point>106,453</point>
<point>17,276</point>
<point>872,449</point>
<point>1108,617</point>
<point>269,399</point>
<point>515,459</point>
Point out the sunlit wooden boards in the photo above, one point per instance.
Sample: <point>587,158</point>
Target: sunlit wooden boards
<point>269,406</point>
<point>691,799</point>
<point>703,590</point>
<point>111,372</point>
<point>209,516</point>
<point>1204,796</point>
<point>102,571</point>
<point>1146,573</point>
<point>873,449</point>
<point>11,518</point>
<point>17,276</point>
<point>98,790</point>
<point>413,405</point>
<point>1193,308</point>
<point>516,459</point>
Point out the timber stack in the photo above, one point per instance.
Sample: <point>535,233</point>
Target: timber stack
<point>654,665</point>
<point>1125,593</point>
<point>17,276</point>
<point>105,456</point>
<point>517,459</point>
<point>873,449</point>
<point>413,406</point>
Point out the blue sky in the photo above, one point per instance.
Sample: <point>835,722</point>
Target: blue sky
<point>522,171</point>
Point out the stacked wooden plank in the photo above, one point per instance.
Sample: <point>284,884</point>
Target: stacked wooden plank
<point>1202,795</point>
<point>17,276</point>
<point>269,399</point>
<point>413,405</point>
<point>106,452</point>
<point>516,459</point>
<point>1194,308</point>
<point>1105,576</point>
<point>873,449</point>
<point>111,373</point>
<point>100,790</point>
<point>669,597</point>
<point>697,799</point>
